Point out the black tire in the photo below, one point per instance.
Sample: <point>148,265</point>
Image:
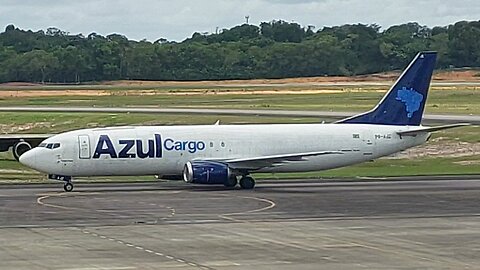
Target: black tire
<point>231,182</point>
<point>247,182</point>
<point>68,187</point>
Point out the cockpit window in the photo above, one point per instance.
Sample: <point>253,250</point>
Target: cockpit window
<point>50,145</point>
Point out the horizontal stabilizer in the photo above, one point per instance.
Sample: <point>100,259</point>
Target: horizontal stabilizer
<point>430,129</point>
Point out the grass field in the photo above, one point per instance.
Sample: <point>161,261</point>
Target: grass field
<point>402,167</point>
<point>60,122</point>
<point>26,122</point>
<point>457,100</point>
<point>12,172</point>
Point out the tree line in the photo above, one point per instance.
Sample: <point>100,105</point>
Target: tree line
<point>275,49</point>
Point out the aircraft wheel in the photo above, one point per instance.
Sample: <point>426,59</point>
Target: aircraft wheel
<point>68,187</point>
<point>247,182</point>
<point>231,182</point>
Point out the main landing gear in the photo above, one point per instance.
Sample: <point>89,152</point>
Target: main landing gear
<point>231,181</point>
<point>68,186</point>
<point>246,182</point>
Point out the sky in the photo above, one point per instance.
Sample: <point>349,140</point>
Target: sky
<point>176,20</point>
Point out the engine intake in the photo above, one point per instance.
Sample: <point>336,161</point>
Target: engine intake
<point>20,148</point>
<point>206,172</point>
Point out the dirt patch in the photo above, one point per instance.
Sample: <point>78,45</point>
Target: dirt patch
<point>190,92</point>
<point>467,75</point>
<point>11,171</point>
<point>17,84</point>
<point>440,149</point>
<point>468,162</point>
<point>50,93</point>
<point>8,129</point>
<point>330,79</point>
<point>311,85</point>
<point>458,76</point>
<point>454,76</point>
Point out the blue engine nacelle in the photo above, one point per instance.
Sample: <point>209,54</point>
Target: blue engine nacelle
<point>206,172</point>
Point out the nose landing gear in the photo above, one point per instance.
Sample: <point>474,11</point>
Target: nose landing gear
<point>68,186</point>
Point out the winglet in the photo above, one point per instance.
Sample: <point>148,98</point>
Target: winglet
<point>404,104</point>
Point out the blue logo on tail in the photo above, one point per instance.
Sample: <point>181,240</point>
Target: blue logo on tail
<point>411,98</point>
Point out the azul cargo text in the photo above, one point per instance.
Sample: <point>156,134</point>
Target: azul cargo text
<point>142,149</point>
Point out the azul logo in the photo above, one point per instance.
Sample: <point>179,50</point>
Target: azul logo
<point>152,148</point>
<point>411,98</point>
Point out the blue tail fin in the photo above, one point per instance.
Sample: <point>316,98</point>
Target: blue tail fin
<point>404,103</point>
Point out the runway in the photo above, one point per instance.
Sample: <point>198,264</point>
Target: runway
<point>421,223</point>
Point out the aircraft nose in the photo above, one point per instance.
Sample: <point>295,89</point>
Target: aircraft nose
<point>29,159</point>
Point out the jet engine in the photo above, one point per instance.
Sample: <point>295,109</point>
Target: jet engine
<point>207,172</point>
<point>20,148</point>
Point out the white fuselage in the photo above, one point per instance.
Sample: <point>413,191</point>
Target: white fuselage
<point>164,150</point>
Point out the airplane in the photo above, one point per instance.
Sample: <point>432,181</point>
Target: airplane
<point>229,154</point>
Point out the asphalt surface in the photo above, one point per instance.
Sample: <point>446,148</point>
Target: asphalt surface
<point>428,118</point>
<point>423,223</point>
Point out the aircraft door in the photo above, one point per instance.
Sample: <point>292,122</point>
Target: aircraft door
<point>369,143</point>
<point>84,146</point>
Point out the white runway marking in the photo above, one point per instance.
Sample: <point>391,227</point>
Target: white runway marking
<point>148,251</point>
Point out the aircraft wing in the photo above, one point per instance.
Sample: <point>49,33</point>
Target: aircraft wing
<point>256,163</point>
<point>9,140</point>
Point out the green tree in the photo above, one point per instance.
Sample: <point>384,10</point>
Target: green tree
<point>272,50</point>
<point>73,63</point>
<point>464,45</point>
<point>38,66</point>
<point>400,43</point>
<point>281,31</point>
